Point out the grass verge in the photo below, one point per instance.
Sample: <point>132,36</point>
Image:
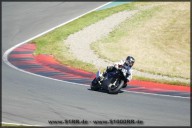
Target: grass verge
<point>52,43</point>
<point>158,38</point>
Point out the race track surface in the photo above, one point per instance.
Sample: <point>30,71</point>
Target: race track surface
<point>45,65</point>
<point>35,100</point>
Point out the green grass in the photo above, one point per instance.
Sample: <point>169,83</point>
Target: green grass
<point>110,44</point>
<point>52,43</point>
<point>158,38</point>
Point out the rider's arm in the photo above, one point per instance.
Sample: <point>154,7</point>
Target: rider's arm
<point>116,65</point>
<point>130,76</point>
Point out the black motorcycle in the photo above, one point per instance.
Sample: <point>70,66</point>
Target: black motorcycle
<point>111,82</point>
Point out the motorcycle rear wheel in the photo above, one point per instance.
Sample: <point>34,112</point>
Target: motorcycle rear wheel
<point>115,90</point>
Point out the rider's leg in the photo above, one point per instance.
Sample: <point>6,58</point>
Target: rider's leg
<point>109,69</point>
<point>125,83</point>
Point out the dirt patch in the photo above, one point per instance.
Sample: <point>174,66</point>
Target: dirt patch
<point>79,43</point>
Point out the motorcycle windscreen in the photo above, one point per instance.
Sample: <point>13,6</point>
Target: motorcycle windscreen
<point>98,74</point>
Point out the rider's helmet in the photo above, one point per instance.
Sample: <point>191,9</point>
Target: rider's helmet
<point>130,61</point>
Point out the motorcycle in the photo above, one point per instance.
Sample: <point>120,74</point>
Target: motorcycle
<point>111,82</point>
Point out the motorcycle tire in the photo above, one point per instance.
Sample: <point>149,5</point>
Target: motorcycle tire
<point>95,85</point>
<point>116,90</point>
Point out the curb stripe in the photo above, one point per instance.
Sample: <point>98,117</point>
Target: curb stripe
<point>46,65</point>
<point>30,71</point>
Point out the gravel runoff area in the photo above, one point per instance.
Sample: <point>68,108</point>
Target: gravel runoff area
<point>79,42</point>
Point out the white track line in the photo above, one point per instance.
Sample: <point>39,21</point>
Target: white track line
<point>5,59</point>
<point>18,124</point>
<point>9,50</point>
<point>5,56</point>
<point>156,94</point>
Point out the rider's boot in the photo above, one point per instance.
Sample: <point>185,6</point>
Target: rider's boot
<point>125,84</point>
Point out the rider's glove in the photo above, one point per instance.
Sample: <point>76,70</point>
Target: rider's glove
<point>116,66</point>
<point>120,66</point>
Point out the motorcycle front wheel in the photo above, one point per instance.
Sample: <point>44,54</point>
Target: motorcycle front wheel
<point>95,85</point>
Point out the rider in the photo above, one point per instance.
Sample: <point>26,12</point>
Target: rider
<point>127,63</point>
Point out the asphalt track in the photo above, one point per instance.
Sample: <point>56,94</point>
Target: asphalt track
<point>34,100</point>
